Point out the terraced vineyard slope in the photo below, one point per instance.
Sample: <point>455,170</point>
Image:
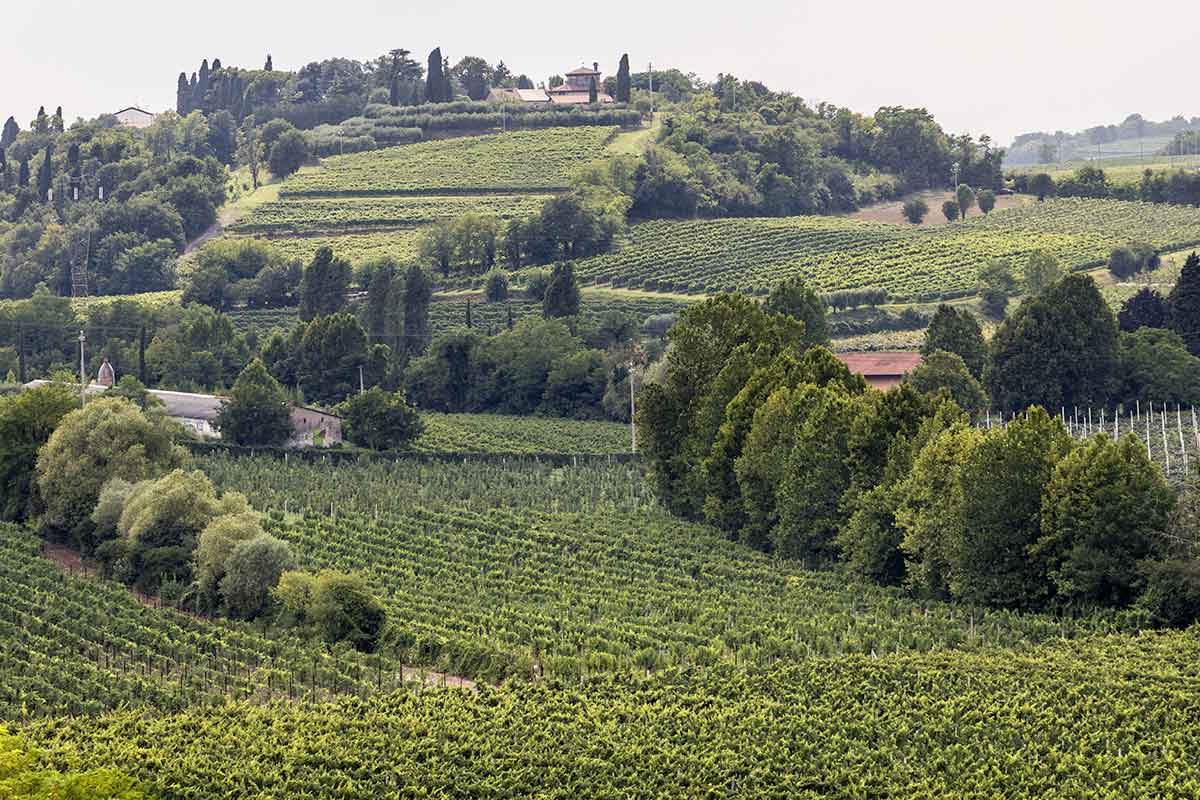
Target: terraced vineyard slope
<point>518,161</point>
<point>913,264</point>
<point>373,204</point>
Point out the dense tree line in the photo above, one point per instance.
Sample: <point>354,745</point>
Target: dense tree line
<point>1155,186</point>
<point>123,204</point>
<point>779,445</point>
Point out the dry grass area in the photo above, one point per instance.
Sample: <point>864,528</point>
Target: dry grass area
<point>890,212</point>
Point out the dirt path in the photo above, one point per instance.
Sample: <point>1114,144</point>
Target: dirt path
<point>72,563</point>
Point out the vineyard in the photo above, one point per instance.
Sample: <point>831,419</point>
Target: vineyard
<point>451,312</point>
<point>497,433</point>
<point>81,645</point>
<point>526,161</point>
<point>588,578</point>
<point>306,215</point>
<point>913,264</point>
<point>372,205</point>
<point>356,248</point>
<point>1109,717</point>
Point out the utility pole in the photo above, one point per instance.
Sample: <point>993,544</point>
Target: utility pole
<point>82,370</point>
<point>650,70</point>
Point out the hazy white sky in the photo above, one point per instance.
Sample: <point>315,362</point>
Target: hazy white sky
<point>999,69</point>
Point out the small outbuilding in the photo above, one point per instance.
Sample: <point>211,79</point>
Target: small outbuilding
<point>883,369</point>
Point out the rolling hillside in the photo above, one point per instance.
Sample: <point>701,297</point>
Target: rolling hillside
<point>913,264</point>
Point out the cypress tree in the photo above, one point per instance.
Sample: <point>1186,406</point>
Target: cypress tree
<point>269,66</point>
<point>199,98</point>
<point>57,123</point>
<point>562,293</point>
<point>447,83</point>
<point>434,81</point>
<point>45,174</point>
<point>183,96</point>
<point>3,170</point>
<point>1184,304</point>
<point>42,123</point>
<point>593,92</point>
<point>216,65</point>
<point>23,173</point>
<point>623,82</point>
<point>417,293</point>
<point>11,129</point>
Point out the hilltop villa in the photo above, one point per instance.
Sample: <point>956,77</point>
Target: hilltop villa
<point>575,90</point>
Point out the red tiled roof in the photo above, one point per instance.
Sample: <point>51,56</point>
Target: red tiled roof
<point>883,363</point>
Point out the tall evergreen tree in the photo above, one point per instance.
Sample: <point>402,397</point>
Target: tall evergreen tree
<point>23,173</point>
<point>562,293</point>
<point>41,123</point>
<point>323,287</point>
<point>447,82</point>
<point>45,175</point>
<point>216,65</point>
<point>434,79</point>
<point>200,96</point>
<point>418,290</point>
<point>269,66</point>
<point>56,124</point>
<point>9,135</point>
<point>183,96</point>
<point>593,92</point>
<point>623,82</point>
<point>3,170</point>
<point>1184,303</point>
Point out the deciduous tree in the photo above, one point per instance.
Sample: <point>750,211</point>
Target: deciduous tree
<point>257,412</point>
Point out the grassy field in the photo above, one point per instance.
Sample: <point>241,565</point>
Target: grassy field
<point>912,264</point>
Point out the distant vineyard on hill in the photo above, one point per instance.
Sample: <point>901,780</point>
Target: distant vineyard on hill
<point>521,160</point>
<point>303,215</point>
<point>911,263</point>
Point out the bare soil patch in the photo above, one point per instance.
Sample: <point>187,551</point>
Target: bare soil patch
<point>892,214</point>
